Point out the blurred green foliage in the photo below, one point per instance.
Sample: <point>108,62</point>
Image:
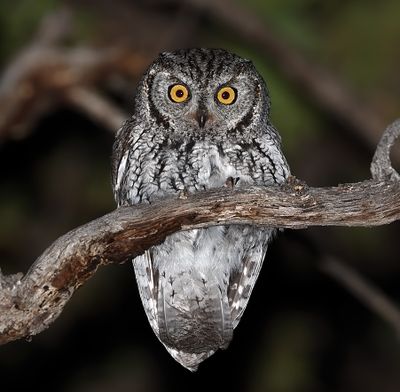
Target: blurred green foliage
<point>357,39</point>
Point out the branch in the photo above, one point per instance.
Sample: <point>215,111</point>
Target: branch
<point>381,166</point>
<point>45,74</point>
<point>42,78</point>
<point>96,107</point>
<point>31,303</point>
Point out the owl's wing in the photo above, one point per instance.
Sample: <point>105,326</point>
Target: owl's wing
<point>243,279</point>
<point>147,282</point>
<point>120,148</point>
<point>128,174</point>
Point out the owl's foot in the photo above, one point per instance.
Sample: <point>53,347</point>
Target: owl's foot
<point>231,182</point>
<point>296,185</point>
<point>183,194</point>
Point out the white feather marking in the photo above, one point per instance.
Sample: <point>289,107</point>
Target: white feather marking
<point>245,271</point>
<point>151,282</point>
<point>240,290</point>
<point>121,170</point>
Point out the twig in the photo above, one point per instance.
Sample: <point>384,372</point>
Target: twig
<point>364,290</point>
<point>54,27</point>
<point>381,166</point>
<point>97,107</point>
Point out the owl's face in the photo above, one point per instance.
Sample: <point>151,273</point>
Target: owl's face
<point>205,91</point>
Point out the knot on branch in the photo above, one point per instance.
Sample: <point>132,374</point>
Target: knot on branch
<point>381,166</point>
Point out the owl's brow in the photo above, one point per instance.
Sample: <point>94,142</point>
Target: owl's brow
<point>229,81</point>
<point>175,79</point>
<point>234,78</point>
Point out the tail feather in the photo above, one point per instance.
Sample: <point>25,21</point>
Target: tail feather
<point>190,361</point>
<point>194,318</point>
<point>196,285</point>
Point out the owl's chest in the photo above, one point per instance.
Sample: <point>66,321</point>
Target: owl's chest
<point>191,168</point>
<point>208,166</point>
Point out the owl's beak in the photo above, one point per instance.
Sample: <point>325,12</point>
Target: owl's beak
<point>201,116</point>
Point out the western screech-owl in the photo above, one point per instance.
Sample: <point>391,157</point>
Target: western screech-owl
<point>201,118</point>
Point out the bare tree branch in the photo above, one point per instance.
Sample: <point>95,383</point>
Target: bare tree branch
<point>44,75</point>
<point>43,78</point>
<point>31,303</point>
<point>96,107</point>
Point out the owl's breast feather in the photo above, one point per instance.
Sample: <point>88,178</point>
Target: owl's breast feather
<point>212,167</point>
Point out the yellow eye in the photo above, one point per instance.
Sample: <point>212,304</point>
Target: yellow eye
<point>178,93</point>
<point>226,95</point>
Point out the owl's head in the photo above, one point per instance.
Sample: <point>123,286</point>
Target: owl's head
<point>206,91</point>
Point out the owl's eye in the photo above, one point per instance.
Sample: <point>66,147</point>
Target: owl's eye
<point>178,93</point>
<point>226,95</point>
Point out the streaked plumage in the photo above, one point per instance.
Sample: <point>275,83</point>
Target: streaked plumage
<point>195,286</point>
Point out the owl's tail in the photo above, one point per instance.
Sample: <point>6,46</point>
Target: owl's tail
<point>194,318</point>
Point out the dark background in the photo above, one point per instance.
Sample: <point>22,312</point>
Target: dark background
<point>302,331</point>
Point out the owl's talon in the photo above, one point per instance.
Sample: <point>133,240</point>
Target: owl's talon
<point>292,183</point>
<point>231,182</point>
<point>183,194</point>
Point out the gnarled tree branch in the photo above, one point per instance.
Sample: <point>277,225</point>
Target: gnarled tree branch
<point>30,303</point>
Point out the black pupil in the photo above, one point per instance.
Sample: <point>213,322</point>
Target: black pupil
<point>179,93</point>
<point>225,95</point>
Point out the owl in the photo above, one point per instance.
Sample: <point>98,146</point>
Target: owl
<point>200,121</point>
